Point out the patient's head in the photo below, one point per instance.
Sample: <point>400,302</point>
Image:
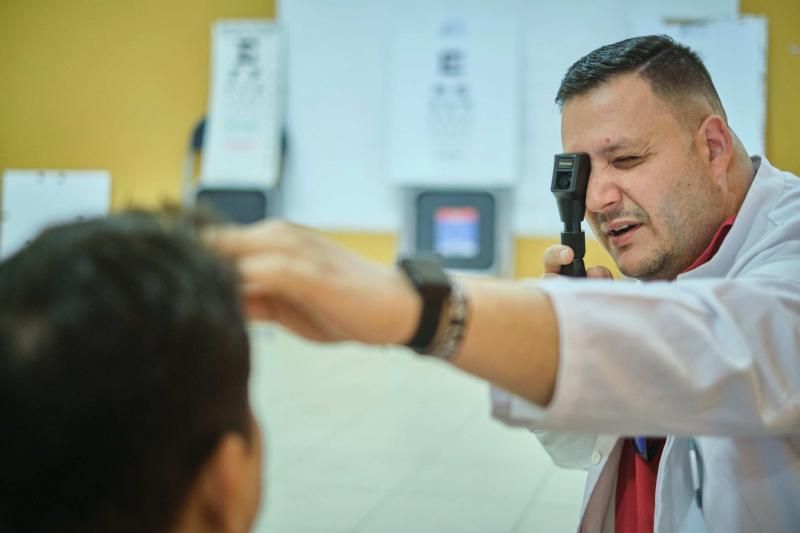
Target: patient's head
<point>123,383</point>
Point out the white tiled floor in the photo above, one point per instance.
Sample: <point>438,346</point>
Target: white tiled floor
<point>380,441</point>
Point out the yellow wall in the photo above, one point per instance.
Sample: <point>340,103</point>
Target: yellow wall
<point>119,84</point>
<point>783,79</point>
<point>112,84</point>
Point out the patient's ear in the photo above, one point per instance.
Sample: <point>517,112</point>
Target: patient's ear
<point>226,493</point>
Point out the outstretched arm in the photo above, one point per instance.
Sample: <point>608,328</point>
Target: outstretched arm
<point>296,277</point>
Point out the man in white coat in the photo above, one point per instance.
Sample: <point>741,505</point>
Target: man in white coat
<point>703,356</point>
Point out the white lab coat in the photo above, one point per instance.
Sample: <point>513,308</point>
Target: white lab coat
<point>714,354</point>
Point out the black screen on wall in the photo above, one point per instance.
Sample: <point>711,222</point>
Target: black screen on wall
<point>241,206</point>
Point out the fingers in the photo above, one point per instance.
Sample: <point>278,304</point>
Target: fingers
<point>239,241</point>
<point>320,290</point>
<point>231,241</point>
<point>267,309</point>
<point>259,309</point>
<point>278,274</point>
<point>598,272</point>
<point>556,256</point>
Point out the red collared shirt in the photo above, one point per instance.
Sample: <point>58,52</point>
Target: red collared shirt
<point>636,478</point>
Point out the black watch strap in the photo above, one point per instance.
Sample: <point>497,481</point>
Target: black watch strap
<point>428,277</point>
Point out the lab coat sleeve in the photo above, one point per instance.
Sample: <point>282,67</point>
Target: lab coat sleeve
<point>707,356</point>
<point>566,449</point>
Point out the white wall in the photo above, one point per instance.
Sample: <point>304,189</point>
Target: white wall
<point>337,99</point>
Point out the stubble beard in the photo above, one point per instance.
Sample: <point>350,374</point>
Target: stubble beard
<point>653,266</point>
<point>690,220</point>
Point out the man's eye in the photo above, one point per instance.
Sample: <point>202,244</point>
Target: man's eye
<point>628,161</point>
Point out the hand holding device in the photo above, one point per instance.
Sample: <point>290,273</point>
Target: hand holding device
<point>570,181</point>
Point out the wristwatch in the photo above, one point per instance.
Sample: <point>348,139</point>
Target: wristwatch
<point>427,276</point>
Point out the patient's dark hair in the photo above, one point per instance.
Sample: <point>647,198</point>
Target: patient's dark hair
<point>123,360</point>
<point>674,71</point>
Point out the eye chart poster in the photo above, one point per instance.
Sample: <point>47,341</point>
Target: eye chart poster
<point>454,97</point>
<point>243,130</point>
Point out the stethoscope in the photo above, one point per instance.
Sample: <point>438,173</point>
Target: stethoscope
<point>696,466</point>
<point>642,448</point>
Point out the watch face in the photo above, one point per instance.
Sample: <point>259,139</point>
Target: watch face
<point>431,273</point>
<point>426,272</point>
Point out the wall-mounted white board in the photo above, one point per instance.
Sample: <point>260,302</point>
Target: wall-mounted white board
<point>35,199</point>
<point>339,91</point>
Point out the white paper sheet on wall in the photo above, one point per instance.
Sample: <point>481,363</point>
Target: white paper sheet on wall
<point>339,77</point>
<point>454,97</point>
<point>242,142</point>
<point>35,199</point>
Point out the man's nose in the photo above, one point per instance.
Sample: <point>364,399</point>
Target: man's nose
<point>602,192</point>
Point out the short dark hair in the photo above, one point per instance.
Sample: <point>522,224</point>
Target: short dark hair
<point>123,360</point>
<point>674,71</point>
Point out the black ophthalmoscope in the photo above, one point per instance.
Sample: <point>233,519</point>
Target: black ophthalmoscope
<point>570,179</point>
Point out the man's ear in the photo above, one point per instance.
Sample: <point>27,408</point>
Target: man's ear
<point>222,493</point>
<point>715,144</point>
